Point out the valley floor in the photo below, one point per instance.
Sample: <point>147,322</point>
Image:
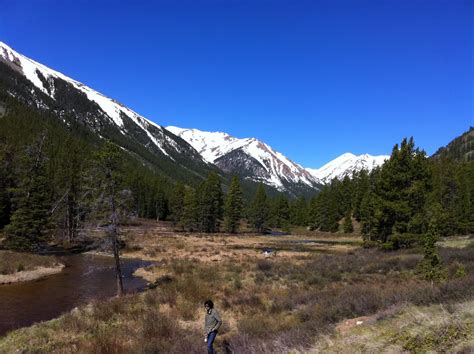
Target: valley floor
<point>307,292</point>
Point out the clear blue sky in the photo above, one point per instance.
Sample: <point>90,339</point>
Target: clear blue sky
<point>313,79</point>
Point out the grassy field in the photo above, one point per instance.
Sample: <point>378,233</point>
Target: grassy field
<point>12,262</point>
<point>315,292</point>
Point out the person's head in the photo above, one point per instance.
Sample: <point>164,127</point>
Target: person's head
<point>208,305</point>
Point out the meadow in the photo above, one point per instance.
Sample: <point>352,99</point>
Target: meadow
<point>304,292</point>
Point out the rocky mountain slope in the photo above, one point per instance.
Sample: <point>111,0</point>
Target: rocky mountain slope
<point>45,89</point>
<point>249,158</point>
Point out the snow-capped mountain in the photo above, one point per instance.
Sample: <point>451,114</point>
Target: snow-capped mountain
<point>173,151</point>
<point>345,165</point>
<point>249,157</point>
<point>73,102</point>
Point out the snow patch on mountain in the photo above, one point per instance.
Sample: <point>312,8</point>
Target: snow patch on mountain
<point>345,165</point>
<point>33,71</point>
<point>279,169</point>
<point>211,145</point>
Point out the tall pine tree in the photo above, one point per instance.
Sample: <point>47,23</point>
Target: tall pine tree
<point>30,222</point>
<point>177,202</point>
<point>259,210</point>
<point>189,216</point>
<point>210,200</point>
<point>233,206</point>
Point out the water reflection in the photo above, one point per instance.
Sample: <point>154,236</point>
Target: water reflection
<point>86,277</point>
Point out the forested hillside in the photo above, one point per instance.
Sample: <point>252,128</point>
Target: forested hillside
<point>460,149</point>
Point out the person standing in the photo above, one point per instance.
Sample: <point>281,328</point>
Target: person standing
<point>212,322</point>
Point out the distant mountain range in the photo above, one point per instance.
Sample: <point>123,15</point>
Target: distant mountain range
<point>249,158</point>
<point>186,154</point>
<point>252,158</point>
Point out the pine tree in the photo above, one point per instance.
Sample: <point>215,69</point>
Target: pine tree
<point>189,216</point>
<point>464,209</point>
<point>160,205</point>
<point>430,266</point>
<point>347,225</point>
<point>299,212</point>
<point>233,206</point>
<point>280,212</point>
<point>177,202</point>
<point>402,189</point>
<point>259,210</point>
<point>210,200</point>
<point>69,207</point>
<point>30,221</point>
<point>7,178</point>
<point>361,188</point>
<point>368,218</point>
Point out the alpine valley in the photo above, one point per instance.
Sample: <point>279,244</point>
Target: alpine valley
<point>181,154</point>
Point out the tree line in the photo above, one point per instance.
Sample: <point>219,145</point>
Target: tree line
<point>401,201</point>
<point>52,184</point>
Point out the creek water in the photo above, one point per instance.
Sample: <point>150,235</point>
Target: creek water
<point>85,278</point>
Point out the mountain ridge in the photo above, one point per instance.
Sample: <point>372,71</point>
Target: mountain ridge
<point>216,146</point>
<point>175,150</point>
<point>258,160</point>
<point>44,89</point>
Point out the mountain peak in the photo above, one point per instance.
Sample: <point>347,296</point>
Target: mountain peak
<point>249,157</point>
<point>345,165</point>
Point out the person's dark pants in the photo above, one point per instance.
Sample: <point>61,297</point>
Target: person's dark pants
<point>210,341</point>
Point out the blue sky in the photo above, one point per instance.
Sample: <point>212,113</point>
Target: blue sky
<point>313,79</point>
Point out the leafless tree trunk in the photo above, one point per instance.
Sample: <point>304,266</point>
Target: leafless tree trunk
<point>115,241</point>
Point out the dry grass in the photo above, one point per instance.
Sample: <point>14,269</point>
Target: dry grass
<point>156,241</point>
<point>440,328</point>
<point>12,262</point>
<point>270,305</point>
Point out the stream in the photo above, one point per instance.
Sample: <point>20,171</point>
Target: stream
<point>85,278</point>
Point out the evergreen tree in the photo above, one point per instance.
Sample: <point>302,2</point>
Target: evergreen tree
<point>259,210</point>
<point>233,206</point>
<point>7,180</point>
<point>347,225</point>
<point>210,200</point>
<point>402,189</point>
<point>280,212</point>
<point>445,195</point>
<point>189,216</point>
<point>464,210</point>
<point>430,266</point>
<point>177,202</point>
<point>160,205</point>
<point>368,218</point>
<point>69,208</point>
<point>299,212</point>
<point>30,221</point>
<point>344,196</point>
<point>361,188</point>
